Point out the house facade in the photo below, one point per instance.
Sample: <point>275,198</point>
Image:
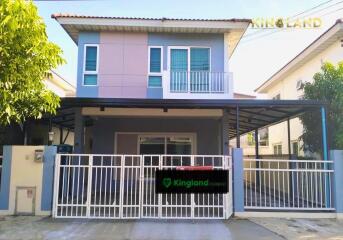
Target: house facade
<point>287,84</point>
<point>157,94</point>
<point>132,58</point>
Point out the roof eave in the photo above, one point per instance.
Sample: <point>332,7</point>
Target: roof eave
<point>72,25</point>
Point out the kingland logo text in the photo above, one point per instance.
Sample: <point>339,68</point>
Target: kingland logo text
<point>279,22</point>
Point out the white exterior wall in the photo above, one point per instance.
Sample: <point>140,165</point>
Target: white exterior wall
<point>287,90</point>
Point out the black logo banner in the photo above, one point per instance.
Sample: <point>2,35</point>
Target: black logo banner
<point>188,181</point>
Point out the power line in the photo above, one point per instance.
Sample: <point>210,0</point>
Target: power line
<point>282,29</point>
<point>328,13</point>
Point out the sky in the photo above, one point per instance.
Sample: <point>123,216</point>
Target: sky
<point>260,53</point>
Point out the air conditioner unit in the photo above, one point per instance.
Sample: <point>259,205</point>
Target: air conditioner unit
<point>299,84</point>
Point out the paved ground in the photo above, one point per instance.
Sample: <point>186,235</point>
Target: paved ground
<point>254,228</point>
<point>303,228</point>
<point>47,228</point>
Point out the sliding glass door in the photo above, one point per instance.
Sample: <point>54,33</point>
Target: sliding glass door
<point>175,145</point>
<point>179,69</point>
<point>189,69</point>
<point>200,67</point>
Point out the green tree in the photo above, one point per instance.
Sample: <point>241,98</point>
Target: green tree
<point>26,56</point>
<point>328,87</point>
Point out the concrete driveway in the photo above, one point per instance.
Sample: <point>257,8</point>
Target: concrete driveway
<point>303,228</point>
<point>47,228</point>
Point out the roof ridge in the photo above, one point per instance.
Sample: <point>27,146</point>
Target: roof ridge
<point>61,15</point>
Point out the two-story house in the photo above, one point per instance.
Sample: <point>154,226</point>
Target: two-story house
<point>138,58</point>
<point>287,83</point>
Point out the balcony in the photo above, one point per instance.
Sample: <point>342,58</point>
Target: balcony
<point>197,85</point>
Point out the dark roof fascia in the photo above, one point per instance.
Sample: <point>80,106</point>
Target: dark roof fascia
<point>185,103</point>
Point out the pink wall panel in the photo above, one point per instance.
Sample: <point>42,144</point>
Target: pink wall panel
<point>112,37</point>
<point>110,92</point>
<point>122,92</point>
<point>111,59</point>
<point>123,64</point>
<point>136,59</point>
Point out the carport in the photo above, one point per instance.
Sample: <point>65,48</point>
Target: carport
<point>114,184</point>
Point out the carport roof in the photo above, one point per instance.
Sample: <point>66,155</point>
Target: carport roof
<point>252,114</point>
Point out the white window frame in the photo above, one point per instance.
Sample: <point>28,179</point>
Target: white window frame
<point>157,74</point>
<point>292,147</point>
<point>84,72</point>
<point>276,145</point>
<point>191,136</point>
<point>275,95</point>
<point>189,55</point>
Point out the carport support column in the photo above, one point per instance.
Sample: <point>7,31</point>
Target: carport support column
<point>337,158</point>
<point>257,156</point>
<point>238,136</point>
<point>225,132</point>
<point>238,180</point>
<point>79,132</point>
<point>324,133</point>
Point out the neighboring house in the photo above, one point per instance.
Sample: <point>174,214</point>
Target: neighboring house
<point>243,96</point>
<point>37,131</point>
<point>287,84</point>
<point>60,86</point>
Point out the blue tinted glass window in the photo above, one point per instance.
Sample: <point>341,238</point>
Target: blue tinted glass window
<point>200,59</point>
<point>155,81</point>
<point>179,60</point>
<point>155,59</point>
<point>90,79</point>
<point>91,55</point>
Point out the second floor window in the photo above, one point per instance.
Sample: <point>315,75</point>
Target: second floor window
<point>155,67</point>
<point>90,68</point>
<point>277,97</point>
<point>200,59</point>
<point>277,149</point>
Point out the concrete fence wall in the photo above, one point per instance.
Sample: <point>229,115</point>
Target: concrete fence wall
<point>21,172</point>
<point>26,184</point>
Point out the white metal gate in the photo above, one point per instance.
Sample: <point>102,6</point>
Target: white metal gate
<point>123,186</point>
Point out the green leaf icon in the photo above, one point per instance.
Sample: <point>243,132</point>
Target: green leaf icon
<point>166,182</point>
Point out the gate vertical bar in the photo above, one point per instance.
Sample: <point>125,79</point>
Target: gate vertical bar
<point>89,185</point>
<point>159,196</point>
<point>141,184</point>
<point>121,189</point>
<point>192,194</point>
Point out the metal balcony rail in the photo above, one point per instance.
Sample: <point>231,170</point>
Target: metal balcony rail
<point>199,82</point>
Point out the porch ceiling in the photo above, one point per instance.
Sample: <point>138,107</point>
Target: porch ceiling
<point>253,114</point>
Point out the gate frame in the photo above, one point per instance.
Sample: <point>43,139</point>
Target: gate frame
<point>227,207</point>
